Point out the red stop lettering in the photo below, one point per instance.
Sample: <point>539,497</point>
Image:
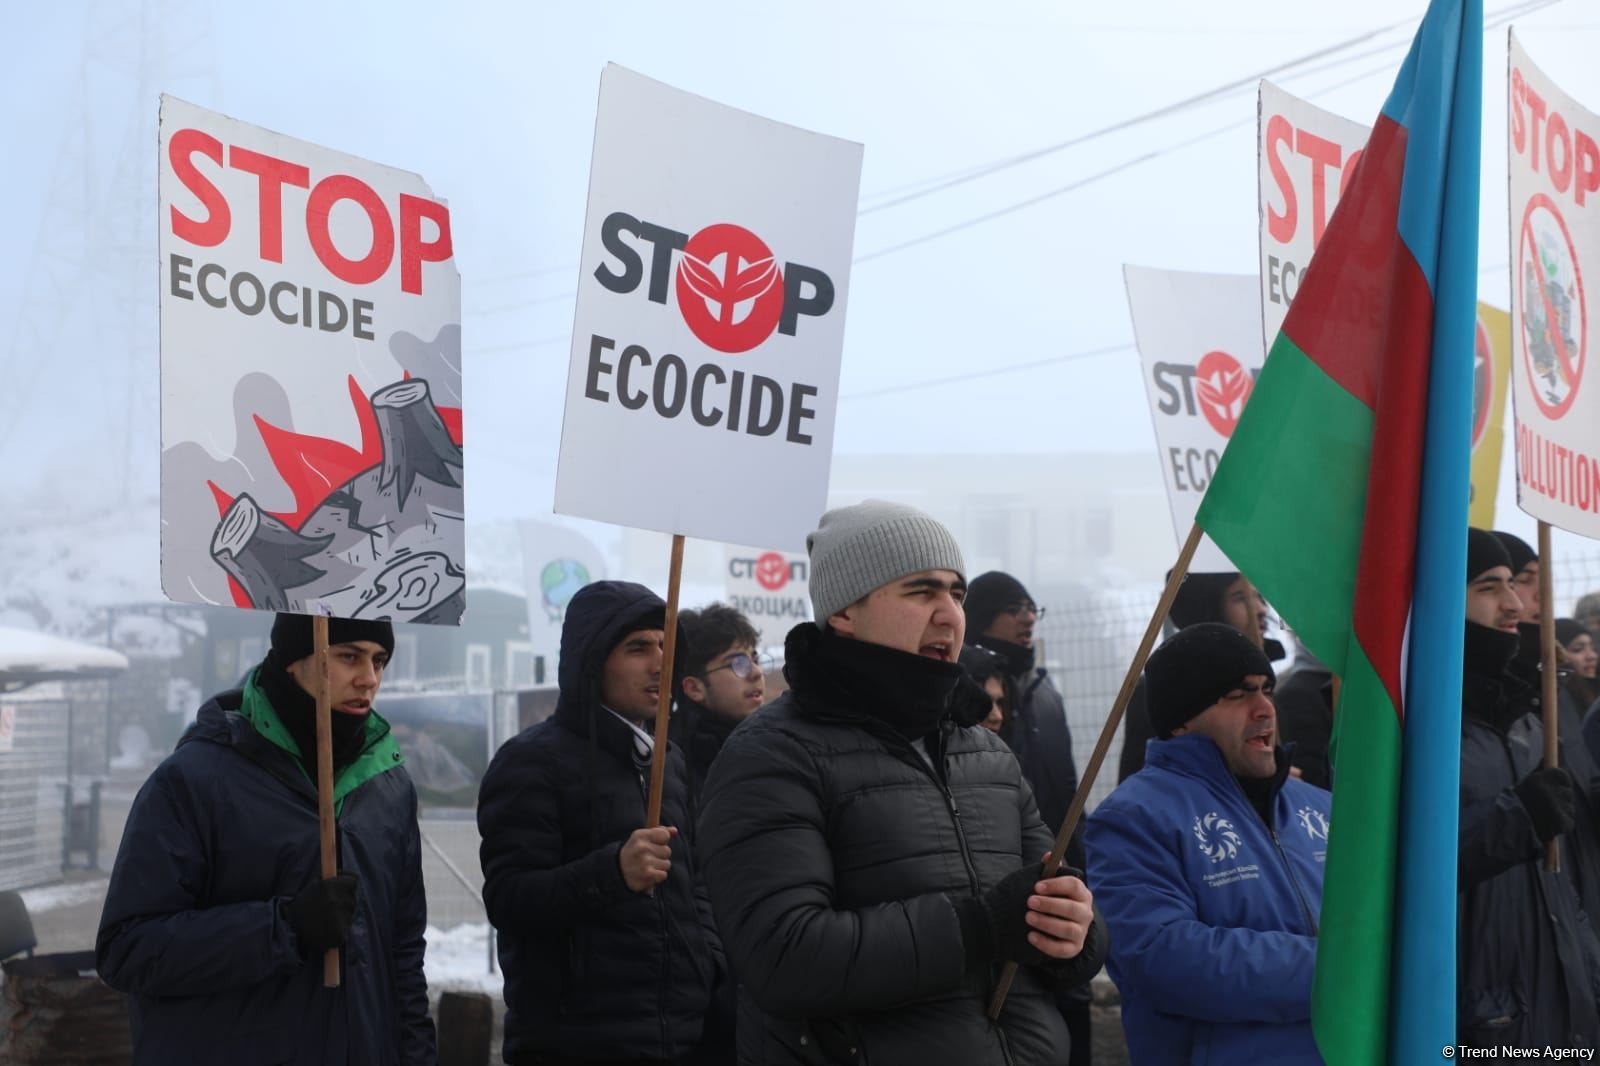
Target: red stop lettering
<point>213,230</point>
<point>272,175</point>
<point>1281,226</point>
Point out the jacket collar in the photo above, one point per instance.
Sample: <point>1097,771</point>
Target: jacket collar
<point>1197,756</point>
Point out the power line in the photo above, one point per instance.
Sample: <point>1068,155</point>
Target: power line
<point>1155,153</point>
<point>1228,88</point>
<point>928,186</point>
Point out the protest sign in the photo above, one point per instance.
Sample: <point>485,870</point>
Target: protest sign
<point>1306,157</point>
<point>311,419</point>
<point>710,318</point>
<point>1491,376</point>
<point>1199,339</point>
<point>771,588</point>
<point>557,561</point>
<point>1555,243</point>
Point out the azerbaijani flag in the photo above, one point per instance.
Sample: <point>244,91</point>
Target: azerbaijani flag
<point>1343,495</point>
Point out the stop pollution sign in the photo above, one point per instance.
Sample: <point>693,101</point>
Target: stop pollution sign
<point>1555,247</point>
<point>710,319</point>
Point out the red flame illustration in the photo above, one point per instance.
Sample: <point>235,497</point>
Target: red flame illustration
<point>313,467</point>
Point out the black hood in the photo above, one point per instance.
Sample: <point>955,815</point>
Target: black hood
<point>597,618</point>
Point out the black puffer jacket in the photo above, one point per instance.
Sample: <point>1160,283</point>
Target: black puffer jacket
<point>834,852</point>
<point>592,970</point>
<point>1528,964</point>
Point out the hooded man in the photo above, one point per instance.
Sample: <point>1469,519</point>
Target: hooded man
<point>1526,971</point>
<point>216,921</point>
<point>873,856</point>
<point>607,947</point>
<point>1525,689</point>
<point>1225,596</point>
<point>1208,864</point>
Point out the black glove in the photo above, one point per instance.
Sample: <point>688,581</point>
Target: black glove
<point>1547,796</point>
<point>995,927</point>
<point>321,916</point>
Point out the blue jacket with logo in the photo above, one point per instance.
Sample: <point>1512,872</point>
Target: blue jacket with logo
<point>1212,915</point>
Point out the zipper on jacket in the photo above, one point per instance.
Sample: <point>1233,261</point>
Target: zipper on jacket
<point>1305,908</point>
<point>1288,867</point>
<point>961,839</point>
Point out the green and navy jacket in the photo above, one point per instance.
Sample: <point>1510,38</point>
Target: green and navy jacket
<point>219,837</point>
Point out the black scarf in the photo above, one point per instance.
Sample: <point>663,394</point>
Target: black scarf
<point>1530,648</point>
<point>1487,685</point>
<point>297,710</point>
<point>1019,660</point>
<point>911,694</point>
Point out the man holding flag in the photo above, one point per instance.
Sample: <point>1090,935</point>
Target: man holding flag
<point>1343,494</point>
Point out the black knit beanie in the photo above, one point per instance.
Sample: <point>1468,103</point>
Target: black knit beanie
<point>1517,550</point>
<point>987,594</point>
<point>1199,598</point>
<point>1195,668</point>
<point>292,641</point>
<point>1485,551</point>
<point>1568,630</point>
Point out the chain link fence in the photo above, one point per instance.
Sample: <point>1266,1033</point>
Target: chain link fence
<point>1088,642</point>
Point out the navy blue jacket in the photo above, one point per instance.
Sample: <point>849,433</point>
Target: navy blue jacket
<point>221,834</point>
<point>592,969</point>
<point>1212,915</point>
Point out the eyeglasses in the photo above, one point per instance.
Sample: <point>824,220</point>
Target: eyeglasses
<point>743,667</point>
<point>1026,607</point>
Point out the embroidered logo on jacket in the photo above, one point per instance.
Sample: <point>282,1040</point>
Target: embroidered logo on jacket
<point>1217,838</point>
<point>1314,822</point>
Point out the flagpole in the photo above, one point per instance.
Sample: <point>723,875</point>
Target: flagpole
<point>1113,720</point>
<point>1547,675</point>
<point>658,757</point>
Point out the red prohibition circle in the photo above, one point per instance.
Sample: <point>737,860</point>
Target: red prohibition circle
<point>772,571</point>
<point>726,269</point>
<point>1222,387</point>
<point>1573,366</point>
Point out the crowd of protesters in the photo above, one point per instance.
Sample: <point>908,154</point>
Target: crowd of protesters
<point>844,871</point>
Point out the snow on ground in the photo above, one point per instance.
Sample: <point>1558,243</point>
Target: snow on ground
<point>70,894</point>
<point>458,959</point>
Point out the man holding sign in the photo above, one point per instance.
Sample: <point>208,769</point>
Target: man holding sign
<point>872,855</point>
<point>608,952</point>
<point>215,923</point>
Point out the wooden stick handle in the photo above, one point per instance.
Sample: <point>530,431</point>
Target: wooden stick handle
<point>330,858</point>
<point>1548,695</point>
<point>1108,733</point>
<point>658,758</point>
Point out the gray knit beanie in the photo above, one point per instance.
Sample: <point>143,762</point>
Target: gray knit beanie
<point>857,549</point>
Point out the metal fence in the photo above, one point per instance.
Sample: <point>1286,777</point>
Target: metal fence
<point>33,782</point>
<point>1088,643</point>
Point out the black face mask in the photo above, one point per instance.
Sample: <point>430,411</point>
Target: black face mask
<point>297,709</point>
<point>909,693</point>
